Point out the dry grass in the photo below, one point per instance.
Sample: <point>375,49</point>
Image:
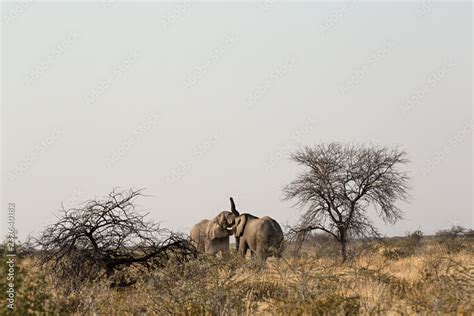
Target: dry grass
<point>398,276</point>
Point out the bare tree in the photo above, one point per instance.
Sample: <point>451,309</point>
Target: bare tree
<point>106,235</point>
<point>339,184</point>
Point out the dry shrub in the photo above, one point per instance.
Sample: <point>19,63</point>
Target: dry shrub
<point>33,291</point>
<point>398,248</point>
<point>455,238</point>
<point>446,286</point>
<point>429,282</point>
<point>208,285</point>
<point>104,239</point>
<point>314,287</point>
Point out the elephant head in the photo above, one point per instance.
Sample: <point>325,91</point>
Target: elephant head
<point>221,225</point>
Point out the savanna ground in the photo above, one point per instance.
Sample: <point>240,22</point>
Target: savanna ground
<point>409,275</point>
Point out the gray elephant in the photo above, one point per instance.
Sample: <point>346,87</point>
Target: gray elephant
<point>263,236</point>
<point>212,236</point>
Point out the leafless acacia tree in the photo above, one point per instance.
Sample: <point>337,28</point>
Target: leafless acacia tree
<point>106,235</point>
<point>339,184</point>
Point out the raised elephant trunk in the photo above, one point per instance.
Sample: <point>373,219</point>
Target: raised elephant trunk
<point>236,213</point>
<point>232,207</point>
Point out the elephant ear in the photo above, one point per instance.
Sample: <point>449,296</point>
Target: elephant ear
<point>214,230</point>
<point>242,220</point>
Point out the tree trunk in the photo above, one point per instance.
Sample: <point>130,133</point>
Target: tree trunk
<point>343,251</point>
<point>343,242</point>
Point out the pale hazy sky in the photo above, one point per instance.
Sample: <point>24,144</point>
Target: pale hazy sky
<point>197,102</point>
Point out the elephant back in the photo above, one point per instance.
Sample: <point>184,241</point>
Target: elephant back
<point>197,234</point>
<point>271,230</point>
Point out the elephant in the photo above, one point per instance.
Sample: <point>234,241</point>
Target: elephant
<point>212,236</point>
<point>263,236</point>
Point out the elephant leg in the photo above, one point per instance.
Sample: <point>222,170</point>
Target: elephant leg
<point>243,248</point>
<point>224,251</point>
<point>261,253</point>
<point>211,251</point>
<point>212,247</point>
<point>277,254</point>
<point>279,251</point>
<point>273,251</point>
<point>237,243</point>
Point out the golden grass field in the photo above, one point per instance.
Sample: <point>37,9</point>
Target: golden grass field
<point>398,276</point>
